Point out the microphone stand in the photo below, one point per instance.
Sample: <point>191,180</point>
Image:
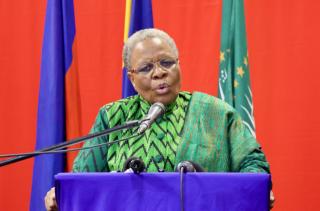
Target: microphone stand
<point>127,125</point>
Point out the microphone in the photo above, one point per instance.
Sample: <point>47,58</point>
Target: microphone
<point>156,110</point>
<point>189,166</point>
<point>134,164</point>
<point>183,167</point>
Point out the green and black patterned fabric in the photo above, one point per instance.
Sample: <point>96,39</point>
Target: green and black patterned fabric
<point>157,147</point>
<point>196,127</point>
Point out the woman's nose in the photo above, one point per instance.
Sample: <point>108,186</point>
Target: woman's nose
<point>159,72</point>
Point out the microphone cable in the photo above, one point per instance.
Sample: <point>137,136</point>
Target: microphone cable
<point>182,188</point>
<point>68,150</point>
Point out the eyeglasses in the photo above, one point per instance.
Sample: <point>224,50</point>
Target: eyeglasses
<point>165,64</point>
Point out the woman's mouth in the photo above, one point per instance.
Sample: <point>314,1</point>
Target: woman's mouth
<point>162,88</point>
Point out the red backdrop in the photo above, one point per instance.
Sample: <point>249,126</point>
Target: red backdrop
<point>283,45</point>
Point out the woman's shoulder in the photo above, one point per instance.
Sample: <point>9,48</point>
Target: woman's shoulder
<point>200,98</point>
<point>122,105</point>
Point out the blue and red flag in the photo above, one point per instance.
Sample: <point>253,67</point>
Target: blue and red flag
<point>138,16</point>
<point>58,105</point>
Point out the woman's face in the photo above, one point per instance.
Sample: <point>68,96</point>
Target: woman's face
<point>155,72</point>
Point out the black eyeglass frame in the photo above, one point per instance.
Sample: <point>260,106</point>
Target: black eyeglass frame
<point>142,69</point>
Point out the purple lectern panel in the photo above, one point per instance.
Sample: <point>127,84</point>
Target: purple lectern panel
<point>161,191</point>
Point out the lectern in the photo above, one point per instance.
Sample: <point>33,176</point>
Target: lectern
<point>161,191</point>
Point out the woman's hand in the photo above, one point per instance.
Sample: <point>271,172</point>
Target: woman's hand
<point>50,200</point>
<point>272,199</point>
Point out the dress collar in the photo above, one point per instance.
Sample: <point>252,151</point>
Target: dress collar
<point>145,105</point>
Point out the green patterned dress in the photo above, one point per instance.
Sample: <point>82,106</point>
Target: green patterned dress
<point>196,127</point>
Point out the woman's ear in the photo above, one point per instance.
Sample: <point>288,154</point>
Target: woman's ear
<point>131,78</point>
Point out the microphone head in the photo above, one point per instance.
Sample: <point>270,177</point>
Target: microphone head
<point>134,163</point>
<point>157,109</point>
<point>157,104</point>
<point>189,166</point>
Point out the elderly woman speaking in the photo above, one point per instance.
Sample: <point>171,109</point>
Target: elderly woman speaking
<point>195,126</point>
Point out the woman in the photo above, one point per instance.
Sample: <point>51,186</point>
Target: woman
<point>195,127</point>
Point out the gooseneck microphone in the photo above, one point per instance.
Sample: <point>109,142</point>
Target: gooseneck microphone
<point>183,167</point>
<point>60,148</point>
<point>156,110</point>
<point>135,164</point>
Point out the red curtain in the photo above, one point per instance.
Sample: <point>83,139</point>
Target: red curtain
<point>283,45</point>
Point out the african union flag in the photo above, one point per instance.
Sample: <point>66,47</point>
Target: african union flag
<point>234,78</point>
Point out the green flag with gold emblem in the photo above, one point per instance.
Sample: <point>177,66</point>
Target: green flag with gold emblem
<point>234,77</point>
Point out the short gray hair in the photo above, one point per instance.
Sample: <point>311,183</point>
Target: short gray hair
<point>143,35</point>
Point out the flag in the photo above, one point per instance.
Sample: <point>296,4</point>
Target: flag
<point>138,16</point>
<point>57,94</point>
<point>234,77</point>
